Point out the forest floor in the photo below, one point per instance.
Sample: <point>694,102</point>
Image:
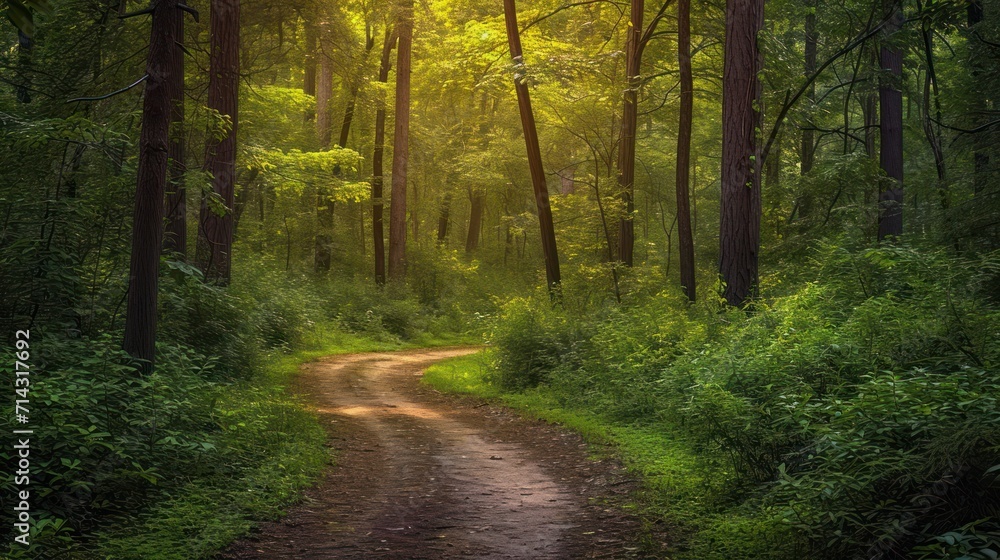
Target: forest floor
<point>421,474</point>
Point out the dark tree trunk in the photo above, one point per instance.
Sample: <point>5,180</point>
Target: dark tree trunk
<point>980,142</point>
<point>147,220</point>
<point>312,45</point>
<point>541,190</point>
<point>739,234</point>
<point>216,239</point>
<point>400,145</point>
<point>444,218</point>
<point>807,147</point>
<point>932,127</point>
<point>870,112</point>
<point>345,127</point>
<point>686,240</point>
<point>25,46</point>
<point>890,220</point>
<point>626,145</point>
<point>309,80</point>
<point>175,236</point>
<point>378,233</point>
<point>475,220</point>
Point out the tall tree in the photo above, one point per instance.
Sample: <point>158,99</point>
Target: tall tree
<point>739,235</point>
<point>637,38</point>
<point>807,149</point>
<point>890,220</point>
<point>324,132</point>
<point>216,229</point>
<point>175,235</point>
<point>546,227</point>
<point>444,219</point>
<point>478,200</point>
<point>685,239</point>
<point>981,147</point>
<point>626,146</point>
<point>147,219</point>
<point>377,171</point>
<point>400,144</point>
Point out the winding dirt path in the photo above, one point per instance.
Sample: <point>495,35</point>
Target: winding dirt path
<point>423,475</point>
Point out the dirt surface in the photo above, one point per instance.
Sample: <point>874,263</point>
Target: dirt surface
<point>419,474</point>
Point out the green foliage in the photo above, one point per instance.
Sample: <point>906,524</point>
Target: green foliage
<point>530,340</point>
<point>854,409</point>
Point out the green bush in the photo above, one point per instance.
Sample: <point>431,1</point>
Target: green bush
<point>857,401</point>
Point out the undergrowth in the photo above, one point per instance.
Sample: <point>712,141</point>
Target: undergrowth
<point>851,414</point>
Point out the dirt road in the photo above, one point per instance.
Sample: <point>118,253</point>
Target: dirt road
<point>423,475</point>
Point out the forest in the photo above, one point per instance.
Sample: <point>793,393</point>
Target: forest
<point>749,250</point>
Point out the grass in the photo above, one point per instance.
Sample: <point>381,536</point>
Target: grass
<point>681,486</point>
<point>273,447</point>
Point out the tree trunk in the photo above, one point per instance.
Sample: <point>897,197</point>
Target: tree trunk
<point>147,219</point>
<point>739,234</point>
<point>324,133</point>
<point>890,220</point>
<point>25,46</point>
<point>980,142</point>
<point>312,45</point>
<point>626,144</point>
<point>475,220</point>
<point>444,217</point>
<point>807,148</point>
<point>175,236</point>
<point>216,239</point>
<point>378,233</point>
<point>541,191</point>
<point>400,145</point>
<point>685,239</point>
<point>324,92</point>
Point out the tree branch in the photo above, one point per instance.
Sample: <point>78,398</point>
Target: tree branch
<point>112,94</point>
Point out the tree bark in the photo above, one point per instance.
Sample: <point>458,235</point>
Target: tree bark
<point>147,219</point>
<point>25,46</point>
<point>400,145</point>
<point>739,234</point>
<point>980,142</point>
<point>626,144</point>
<point>478,201</point>
<point>890,221</point>
<point>216,239</point>
<point>378,233</point>
<point>685,238</point>
<point>175,236</point>
<point>546,227</point>
<point>807,148</point>
<point>444,218</point>
<point>309,79</point>
<point>312,45</point>
<point>324,133</point>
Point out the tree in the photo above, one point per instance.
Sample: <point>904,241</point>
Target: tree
<point>324,133</point>
<point>739,235</point>
<point>890,220</point>
<point>216,228</point>
<point>175,235</point>
<point>538,184</point>
<point>807,150</point>
<point>477,198</point>
<point>377,173</point>
<point>626,146</point>
<point>400,144</point>
<point>685,239</point>
<point>635,44</point>
<point>147,221</point>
